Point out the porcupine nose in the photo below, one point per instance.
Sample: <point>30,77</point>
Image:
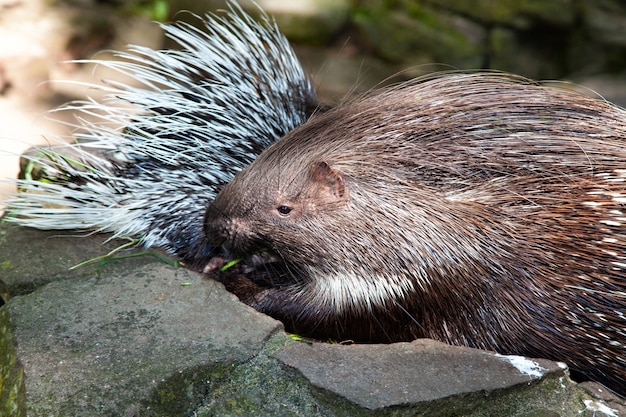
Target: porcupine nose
<point>225,230</point>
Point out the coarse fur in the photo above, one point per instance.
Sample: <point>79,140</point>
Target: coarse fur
<point>481,210</point>
<point>160,146</point>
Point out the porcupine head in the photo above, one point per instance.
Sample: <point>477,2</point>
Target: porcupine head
<point>356,236</point>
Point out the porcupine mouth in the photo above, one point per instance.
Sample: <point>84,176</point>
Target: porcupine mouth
<point>237,253</point>
<point>264,268</point>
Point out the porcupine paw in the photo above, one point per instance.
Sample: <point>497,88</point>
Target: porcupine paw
<point>234,278</point>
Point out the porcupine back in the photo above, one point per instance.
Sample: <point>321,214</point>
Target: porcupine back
<point>476,209</point>
<point>197,116</point>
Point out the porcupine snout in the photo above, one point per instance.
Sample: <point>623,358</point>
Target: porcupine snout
<point>223,230</point>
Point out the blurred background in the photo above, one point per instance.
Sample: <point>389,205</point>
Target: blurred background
<point>346,46</point>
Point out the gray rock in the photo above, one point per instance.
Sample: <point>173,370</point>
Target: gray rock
<point>430,378</point>
<point>150,341</point>
<point>138,337</point>
<point>404,373</point>
<point>31,258</point>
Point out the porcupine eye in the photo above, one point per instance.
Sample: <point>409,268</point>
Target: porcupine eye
<point>283,210</point>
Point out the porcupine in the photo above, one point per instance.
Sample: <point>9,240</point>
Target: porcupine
<point>199,115</point>
<point>480,210</point>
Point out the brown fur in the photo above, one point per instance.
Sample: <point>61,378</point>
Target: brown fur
<point>476,209</point>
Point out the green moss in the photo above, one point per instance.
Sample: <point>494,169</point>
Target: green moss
<point>410,30</point>
<point>181,394</point>
<point>12,388</point>
<point>515,13</point>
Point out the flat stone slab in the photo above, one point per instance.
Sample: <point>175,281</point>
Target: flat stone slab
<point>150,341</point>
<point>31,258</point>
<point>423,371</point>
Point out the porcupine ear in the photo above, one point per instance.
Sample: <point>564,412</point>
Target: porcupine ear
<point>330,185</point>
